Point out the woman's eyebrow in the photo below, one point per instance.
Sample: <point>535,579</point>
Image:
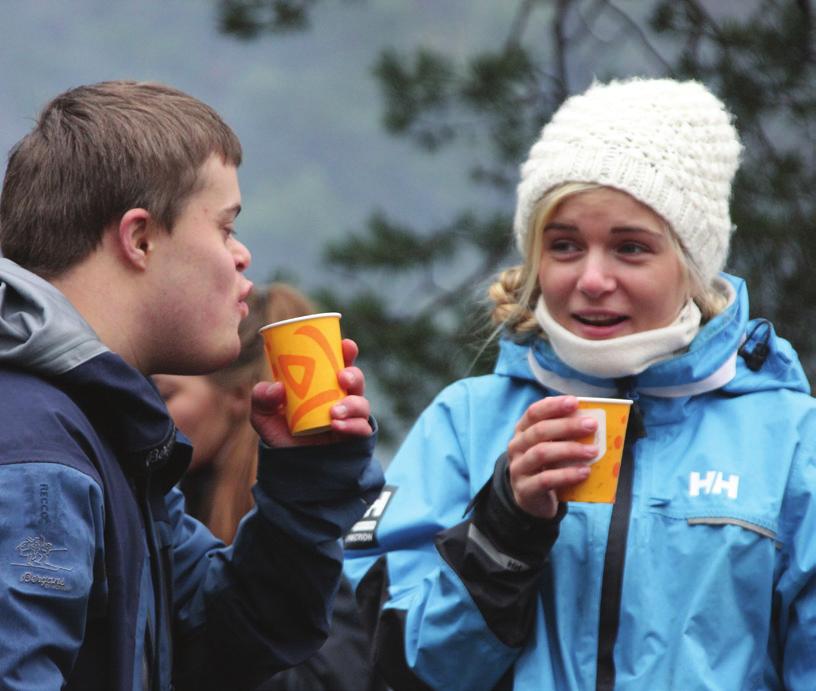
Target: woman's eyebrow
<point>561,226</point>
<point>634,229</point>
<point>557,225</point>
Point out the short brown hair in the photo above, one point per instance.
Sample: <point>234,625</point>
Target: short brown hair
<point>95,152</point>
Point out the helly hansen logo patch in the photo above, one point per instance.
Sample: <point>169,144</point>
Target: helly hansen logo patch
<point>363,533</point>
<point>713,482</point>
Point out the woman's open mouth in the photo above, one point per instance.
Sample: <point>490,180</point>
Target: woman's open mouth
<point>599,320</point>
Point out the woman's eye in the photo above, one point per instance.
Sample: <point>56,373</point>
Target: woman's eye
<point>633,248</point>
<point>563,246</point>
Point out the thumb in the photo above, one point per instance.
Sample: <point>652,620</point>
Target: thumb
<point>267,397</point>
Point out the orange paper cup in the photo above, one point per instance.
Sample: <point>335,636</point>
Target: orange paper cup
<point>305,355</point>
<point>612,415</point>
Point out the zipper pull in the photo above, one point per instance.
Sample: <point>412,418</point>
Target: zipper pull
<point>636,427</point>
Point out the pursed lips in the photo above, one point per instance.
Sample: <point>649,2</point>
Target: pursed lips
<point>244,294</point>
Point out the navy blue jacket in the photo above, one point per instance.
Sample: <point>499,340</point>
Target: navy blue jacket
<point>105,582</point>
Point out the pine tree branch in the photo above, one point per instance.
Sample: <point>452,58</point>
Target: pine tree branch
<point>519,24</point>
<point>806,11</point>
<point>635,29</point>
<point>560,48</point>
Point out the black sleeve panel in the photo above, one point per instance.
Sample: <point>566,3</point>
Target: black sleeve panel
<point>387,630</point>
<point>499,554</point>
<point>342,664</point>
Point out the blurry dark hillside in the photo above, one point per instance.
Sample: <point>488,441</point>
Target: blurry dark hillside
<point>758,55</point>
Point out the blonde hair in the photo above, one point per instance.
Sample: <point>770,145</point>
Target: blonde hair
<point>515,293</point>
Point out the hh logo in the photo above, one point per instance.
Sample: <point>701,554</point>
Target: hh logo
<point>713,482</point>
<point>363,533</point>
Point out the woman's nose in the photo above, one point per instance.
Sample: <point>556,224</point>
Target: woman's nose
<point>596,278</point>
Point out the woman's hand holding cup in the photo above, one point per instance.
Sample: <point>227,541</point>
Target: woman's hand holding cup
<point>545,455</point>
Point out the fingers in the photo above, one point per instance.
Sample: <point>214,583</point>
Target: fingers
<point>266,414</point>
<point>536,494</point>
<point>547,408</point>
<point>267,397</point>
<point>549,457</point>
<point>351,416</point>
<point>350,351</point>
<point>352,381</point>
<point>554,430</point>
<point>545,453</point>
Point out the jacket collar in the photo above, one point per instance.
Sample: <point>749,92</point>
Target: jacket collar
<point>125,406</point>
<point>711,362</point>
<point>42,332</point>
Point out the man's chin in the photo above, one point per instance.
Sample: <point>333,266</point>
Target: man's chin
<point>212,363</point>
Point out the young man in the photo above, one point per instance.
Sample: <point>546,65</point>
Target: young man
<point>117,226</point>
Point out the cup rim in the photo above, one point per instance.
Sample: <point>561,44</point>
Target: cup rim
<point>305,317</point>
<point>592,399</point>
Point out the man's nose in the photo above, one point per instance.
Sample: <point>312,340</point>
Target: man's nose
<point>243,257</point>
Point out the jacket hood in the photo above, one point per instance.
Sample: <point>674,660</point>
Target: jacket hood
<point>42,332</point>
<point>730,353</point>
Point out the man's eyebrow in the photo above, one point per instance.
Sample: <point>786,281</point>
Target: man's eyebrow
<point>231,212</point>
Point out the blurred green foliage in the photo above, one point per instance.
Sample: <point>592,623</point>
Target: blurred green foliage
<point>759,56</point>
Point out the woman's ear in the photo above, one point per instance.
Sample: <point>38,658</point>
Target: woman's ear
<point>135,236</point>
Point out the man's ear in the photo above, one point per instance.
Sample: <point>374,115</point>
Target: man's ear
<point>136,236</point>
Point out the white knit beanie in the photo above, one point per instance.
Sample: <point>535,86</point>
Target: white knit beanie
<point>669,144</point>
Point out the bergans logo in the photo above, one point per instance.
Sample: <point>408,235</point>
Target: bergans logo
<point>713,482</point>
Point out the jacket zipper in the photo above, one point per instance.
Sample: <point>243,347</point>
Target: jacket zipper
<point>615,557</point>
<point>156,574</point>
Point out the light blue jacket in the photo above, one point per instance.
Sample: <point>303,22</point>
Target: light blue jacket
<point>718,583</point>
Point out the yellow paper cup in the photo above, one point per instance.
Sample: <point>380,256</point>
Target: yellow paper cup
<point>612,415</point>
<point>305,355</point>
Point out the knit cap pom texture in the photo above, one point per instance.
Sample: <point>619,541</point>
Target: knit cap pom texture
<point>671,145</point>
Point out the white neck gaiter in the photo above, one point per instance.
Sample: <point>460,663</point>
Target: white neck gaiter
<point>624,356</point>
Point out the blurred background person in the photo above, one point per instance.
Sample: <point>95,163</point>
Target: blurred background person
<point>213,411</point>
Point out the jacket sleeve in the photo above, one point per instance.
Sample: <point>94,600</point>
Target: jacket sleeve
<point>50,546</point>
<point>795,599</point>
<point>264,604</point>
<point>435,589</point>
<point>341,664</point>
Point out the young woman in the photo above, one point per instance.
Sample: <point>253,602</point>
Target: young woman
<point>702,574</point>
